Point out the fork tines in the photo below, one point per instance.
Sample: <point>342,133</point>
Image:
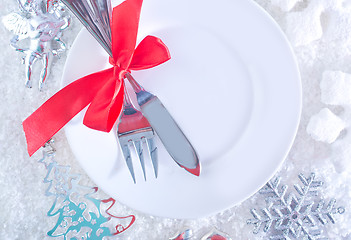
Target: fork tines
<point>134,139</point>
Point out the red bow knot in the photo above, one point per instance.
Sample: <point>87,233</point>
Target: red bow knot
<point>103,90</point>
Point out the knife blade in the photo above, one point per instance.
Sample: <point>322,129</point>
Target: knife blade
<point>170,134</point>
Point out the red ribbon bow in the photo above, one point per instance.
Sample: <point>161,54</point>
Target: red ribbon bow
<point>103,90</point>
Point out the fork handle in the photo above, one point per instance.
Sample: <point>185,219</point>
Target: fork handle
<point>136,86</point>
<point>143,96</point>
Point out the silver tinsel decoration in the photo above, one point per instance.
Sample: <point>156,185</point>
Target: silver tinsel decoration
<point>299,215</point>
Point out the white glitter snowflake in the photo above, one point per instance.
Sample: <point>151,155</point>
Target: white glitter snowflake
<point>294,216</point>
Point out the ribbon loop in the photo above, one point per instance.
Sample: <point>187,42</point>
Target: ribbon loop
<point>150,52</point>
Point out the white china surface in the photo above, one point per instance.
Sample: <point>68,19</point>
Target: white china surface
<point>233,87</point>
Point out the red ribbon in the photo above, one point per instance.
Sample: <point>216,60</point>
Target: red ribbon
<point>103,90</point>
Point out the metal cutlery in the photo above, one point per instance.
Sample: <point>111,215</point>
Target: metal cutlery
<point>134,130</point>
<point>174,140</point>
<point>95,15</point>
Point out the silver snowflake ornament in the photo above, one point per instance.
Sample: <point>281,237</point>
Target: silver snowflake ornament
<point>295,215</point>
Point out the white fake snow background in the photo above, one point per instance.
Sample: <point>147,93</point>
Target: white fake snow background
<point>320,33</point>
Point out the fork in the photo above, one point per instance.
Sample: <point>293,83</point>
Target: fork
<point>133,130</point>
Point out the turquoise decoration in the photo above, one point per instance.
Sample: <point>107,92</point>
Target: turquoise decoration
<point>79,214</point>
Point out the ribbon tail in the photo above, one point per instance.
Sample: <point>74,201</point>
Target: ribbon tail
<point>125,24</point>
<point>48,119</point>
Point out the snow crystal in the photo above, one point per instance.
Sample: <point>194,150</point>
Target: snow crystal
<point>325,126</point>
<point>305,27</point>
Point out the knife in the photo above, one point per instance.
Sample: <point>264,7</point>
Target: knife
<point>172,137</point>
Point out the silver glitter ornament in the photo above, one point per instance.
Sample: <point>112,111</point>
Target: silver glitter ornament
<point>42,22</point>
<point>215,234</point>
<point>294,216</point>
<point>184,235</point>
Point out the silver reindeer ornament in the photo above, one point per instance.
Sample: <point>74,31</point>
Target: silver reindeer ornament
<point>42,23</point>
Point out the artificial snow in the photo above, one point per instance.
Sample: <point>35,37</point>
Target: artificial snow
<point>285,5</point>
<point>336,88</point>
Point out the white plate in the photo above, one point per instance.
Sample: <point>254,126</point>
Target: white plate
<point>232,85</point>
